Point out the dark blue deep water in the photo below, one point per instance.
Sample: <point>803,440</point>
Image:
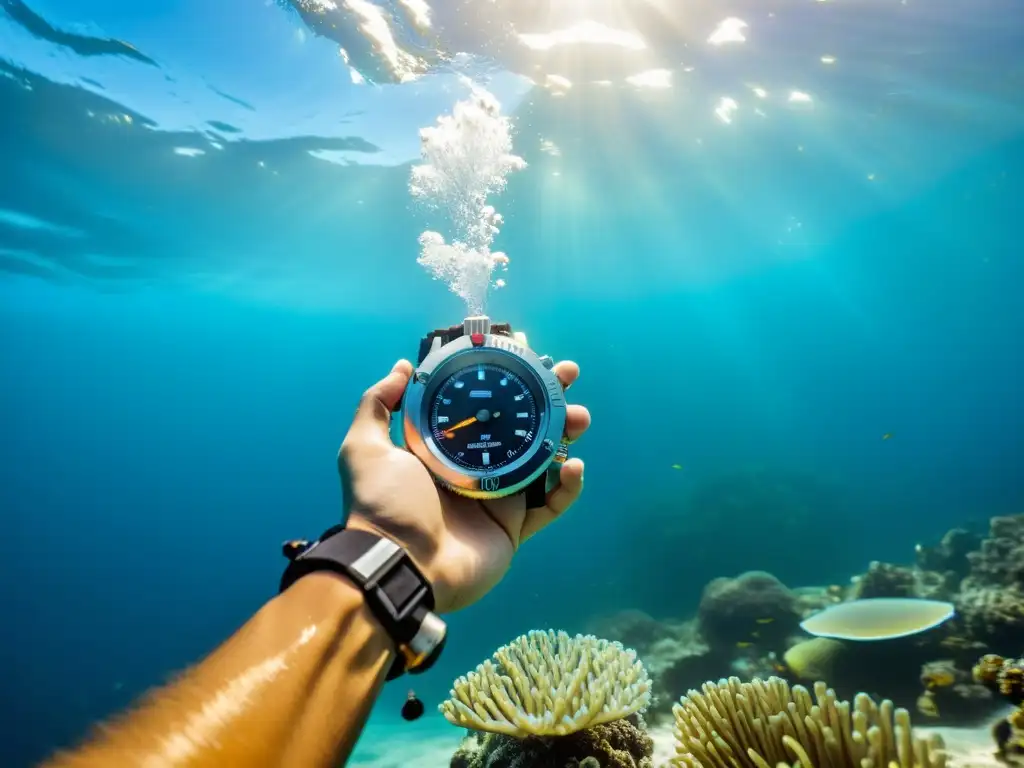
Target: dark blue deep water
<point>754,303</point>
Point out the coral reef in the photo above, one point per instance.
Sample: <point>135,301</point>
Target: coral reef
<point>550,684</point>
<point>991,598</point>
<point>548,700</point>
<point>748,626</point>
<point>767,723</point>
<point>984,578</point>
<point>932,671</point>
<point>1000,557</point>
<point>620,744</point>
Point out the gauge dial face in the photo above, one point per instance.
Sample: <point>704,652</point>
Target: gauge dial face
<point>484,417</point>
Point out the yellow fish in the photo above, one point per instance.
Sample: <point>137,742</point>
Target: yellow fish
<point>926,704</point>
<point>744,645</point>
<point>941,678</point>
<point>887,435</point>
<point>768,620</point>
<point>677,466</point>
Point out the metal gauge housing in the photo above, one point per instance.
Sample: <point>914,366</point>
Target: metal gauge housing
<point>485,414</point>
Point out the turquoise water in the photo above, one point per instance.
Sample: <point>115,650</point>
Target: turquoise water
<point>787,265</point>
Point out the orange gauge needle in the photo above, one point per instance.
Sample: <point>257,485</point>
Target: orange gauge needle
<point>449,433</point>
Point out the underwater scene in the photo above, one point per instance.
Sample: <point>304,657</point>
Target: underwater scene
<point>779,238</point>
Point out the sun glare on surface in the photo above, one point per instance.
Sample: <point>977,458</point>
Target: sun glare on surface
<point>582,33</point>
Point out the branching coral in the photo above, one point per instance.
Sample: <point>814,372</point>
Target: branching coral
<point>550,684</point>
<point>766,723</point>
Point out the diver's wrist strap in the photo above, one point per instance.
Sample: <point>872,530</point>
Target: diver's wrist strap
<point>396,592</point>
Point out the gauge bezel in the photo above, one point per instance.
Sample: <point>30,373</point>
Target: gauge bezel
<point>461,353</point>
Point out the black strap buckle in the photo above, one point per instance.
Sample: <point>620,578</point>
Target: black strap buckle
<point>396,592</point>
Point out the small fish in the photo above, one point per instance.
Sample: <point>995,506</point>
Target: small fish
<point>743,644</point>
<point>755,634</point>
<point>941,678</point>
<point>677,466</point>
<point>767,620</point>
<point>926,704</point>
<point>887,435</point>
<point>413,707</point>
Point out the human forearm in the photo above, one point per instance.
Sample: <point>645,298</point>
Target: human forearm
<point>292,687</point>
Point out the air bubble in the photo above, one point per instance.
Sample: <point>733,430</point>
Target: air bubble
<point>467,157</point>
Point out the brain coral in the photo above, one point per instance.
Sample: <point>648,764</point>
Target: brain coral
<point>550,684</point>
<point>731,609</point>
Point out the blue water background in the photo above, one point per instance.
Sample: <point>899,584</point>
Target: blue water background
<point>747,306</point>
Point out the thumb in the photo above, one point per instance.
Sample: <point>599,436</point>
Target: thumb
<point>373,417</point>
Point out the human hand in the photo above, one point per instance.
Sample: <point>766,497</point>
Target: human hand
<point>463,546</point>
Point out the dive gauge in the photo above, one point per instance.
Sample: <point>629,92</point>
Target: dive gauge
<point>484,413</point>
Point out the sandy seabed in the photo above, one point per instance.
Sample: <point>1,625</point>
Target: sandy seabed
<point>431,744</point>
